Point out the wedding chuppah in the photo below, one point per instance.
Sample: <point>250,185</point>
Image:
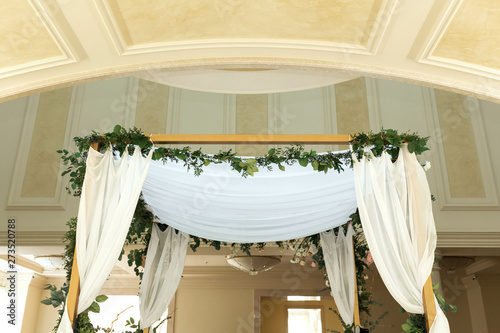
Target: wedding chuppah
<point>281,197</point>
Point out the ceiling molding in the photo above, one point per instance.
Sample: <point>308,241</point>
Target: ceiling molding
<point>426,54</point>
<point>34,238</point>
<point>389,7</point>
<point>113,30</point>
<point>46,15</point>
<point>468,239</point>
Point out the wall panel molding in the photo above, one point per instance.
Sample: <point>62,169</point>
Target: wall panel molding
<point>444,197</point>
<point>15,200</point>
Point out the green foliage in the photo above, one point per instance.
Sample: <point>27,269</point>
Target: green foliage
<point>388,140</point>
<point>69,240</point>
<point>416,322</point>
<point>57,299</point>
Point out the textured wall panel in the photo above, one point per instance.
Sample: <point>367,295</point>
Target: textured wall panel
<point>42,168</point>
<point>152,107</point>
<point>252,118</point>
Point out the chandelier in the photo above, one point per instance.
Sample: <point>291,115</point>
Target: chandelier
<point>253,264</point>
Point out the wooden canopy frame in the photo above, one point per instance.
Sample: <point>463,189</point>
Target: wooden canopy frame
<point>253,139</point>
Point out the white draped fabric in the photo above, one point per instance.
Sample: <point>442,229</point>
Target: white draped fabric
<point>394,203</point>
<point>162,273</point>
<point>271,206</point>
<point>338,252</point>
<point>109,197</point>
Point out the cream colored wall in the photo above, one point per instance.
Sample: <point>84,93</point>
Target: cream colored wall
<point>33,305</point>
<point>37,316</point>
<point>214,310</point>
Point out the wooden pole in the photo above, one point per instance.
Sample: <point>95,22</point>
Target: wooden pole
<point>73,293</point>
<point>254,139</point>
<point>74,283</point>
<point>146,330</point>
<point>357,321</point>
<point>429,304</point>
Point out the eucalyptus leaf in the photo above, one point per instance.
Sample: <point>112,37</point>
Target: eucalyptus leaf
<point>101,298</point>
<point>303,161</point>
<point>94,307</point>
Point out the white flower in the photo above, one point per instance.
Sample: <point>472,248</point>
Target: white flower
<point>295,260</point>
<point>427,165</point>
<point>313,248</point>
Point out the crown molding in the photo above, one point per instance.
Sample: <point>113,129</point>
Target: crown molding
<point>468,239</point>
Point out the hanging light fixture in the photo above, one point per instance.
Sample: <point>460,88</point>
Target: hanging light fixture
<point>253,264</point>
<point>53,261</point>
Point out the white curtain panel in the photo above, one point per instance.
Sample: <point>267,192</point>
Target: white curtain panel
<point>109,196</point>
<point>395,207</point>
<point>162,273</point>
<point>338,252</point>
<point>271,206</point>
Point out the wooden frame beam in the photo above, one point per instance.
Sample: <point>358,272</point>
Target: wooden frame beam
<point>253,139</point>
<point>429,304</point>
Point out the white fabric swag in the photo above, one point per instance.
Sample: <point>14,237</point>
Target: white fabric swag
<point>109,196</point>
<point>395,207</point>
<point>338,252</point>
<point>271,206</point>
<point>162,273</point>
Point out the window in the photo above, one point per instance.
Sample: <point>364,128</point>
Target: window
<point>303,298</point>
<point>304,320</point>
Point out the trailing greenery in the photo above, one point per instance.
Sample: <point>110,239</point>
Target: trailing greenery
<point>58,300</point>
<point>416,322</point>
<point>139,233</point>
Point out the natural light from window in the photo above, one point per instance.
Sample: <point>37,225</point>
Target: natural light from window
<point>304,321</point>
<point>116,304</point>
<point>303,298</point>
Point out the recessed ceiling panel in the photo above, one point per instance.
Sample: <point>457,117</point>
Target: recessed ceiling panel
<point>25,39</point>
<point>473,35</point>
<point>335,21</point>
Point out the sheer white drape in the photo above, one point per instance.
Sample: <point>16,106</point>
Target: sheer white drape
<point>394,203</point>
<point>109,196</point>
<point>271,206</point>
<point>162,273</point>
<point>338,252</point>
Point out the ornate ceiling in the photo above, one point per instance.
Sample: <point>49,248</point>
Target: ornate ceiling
<point>448,44</point>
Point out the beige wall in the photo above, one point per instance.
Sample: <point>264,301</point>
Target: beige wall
<point>214,310</point>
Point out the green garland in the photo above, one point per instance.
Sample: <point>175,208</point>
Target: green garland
<point>121,139</point>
